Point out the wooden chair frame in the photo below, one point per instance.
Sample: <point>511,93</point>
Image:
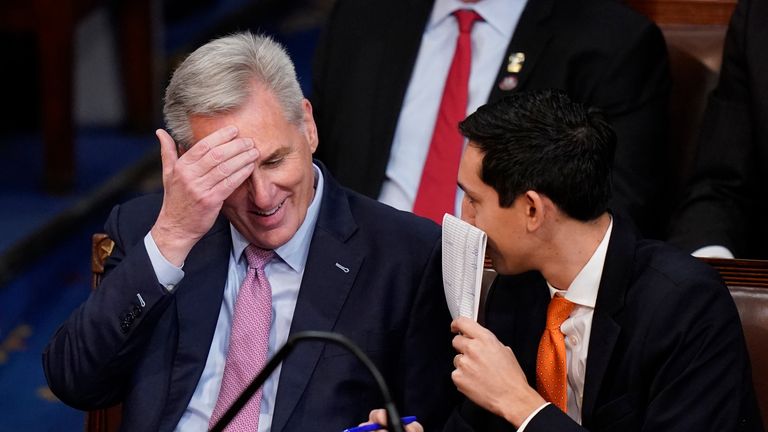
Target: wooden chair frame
<point>106,419</point>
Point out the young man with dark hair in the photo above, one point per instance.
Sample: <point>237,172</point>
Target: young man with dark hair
<point>589,327</point>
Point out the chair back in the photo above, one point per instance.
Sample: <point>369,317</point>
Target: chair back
<point>105,419</point>
<point>747,280</point>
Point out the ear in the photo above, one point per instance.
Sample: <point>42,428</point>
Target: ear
<point>535,211</point>
<point>310,128</point>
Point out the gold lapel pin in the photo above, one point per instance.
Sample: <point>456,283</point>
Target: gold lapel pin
<point>515,63</point>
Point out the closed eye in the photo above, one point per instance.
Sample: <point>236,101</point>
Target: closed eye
<point>273,162</point>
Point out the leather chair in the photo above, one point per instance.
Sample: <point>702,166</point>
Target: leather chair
<point>694,31</point>
<point>747,281</point>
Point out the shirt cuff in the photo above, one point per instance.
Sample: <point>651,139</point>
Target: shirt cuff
<point>713,251</point>
<point>530,417</point>
<point>167,274</point>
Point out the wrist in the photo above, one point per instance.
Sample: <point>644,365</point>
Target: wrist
<point>517,412</point>
<point>173,246</point>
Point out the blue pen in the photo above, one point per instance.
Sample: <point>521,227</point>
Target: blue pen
<point>375,426</point>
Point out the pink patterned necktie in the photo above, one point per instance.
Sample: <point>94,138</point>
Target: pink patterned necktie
<point>248,342</point>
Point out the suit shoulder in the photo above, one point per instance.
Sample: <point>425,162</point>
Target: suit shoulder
<point>672,273</point>
<point>381,219</point>
<point>606,23</point>
<point>136,215</point>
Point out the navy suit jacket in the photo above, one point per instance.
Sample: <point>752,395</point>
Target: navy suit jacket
<point>150,356</point>
<point>666,350</point>
<point>599,51</point>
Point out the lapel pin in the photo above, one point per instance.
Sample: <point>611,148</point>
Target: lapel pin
<point>515,62</point>
<point>342,268</point>
<point>507,83</point>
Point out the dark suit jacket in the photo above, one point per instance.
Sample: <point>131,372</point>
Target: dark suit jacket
<point>666,350</point>
<point>599,51</point>
<point>728,198</point>
<point>150,358</point>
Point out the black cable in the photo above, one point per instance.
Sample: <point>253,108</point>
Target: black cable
<point>393,418</point>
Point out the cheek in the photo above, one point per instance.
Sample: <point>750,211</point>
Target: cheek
<point>237,199</point>
<point>467,213</point>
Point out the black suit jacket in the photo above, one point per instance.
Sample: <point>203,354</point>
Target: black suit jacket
<point>666,350</point>
<point>728,198</point>
<point>390,302</point>
<point>599,51</point>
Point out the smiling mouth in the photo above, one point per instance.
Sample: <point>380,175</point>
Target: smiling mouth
<point>269,212</point>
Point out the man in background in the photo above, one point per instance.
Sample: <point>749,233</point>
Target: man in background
<point>723,213</point>
<point>392,79</point>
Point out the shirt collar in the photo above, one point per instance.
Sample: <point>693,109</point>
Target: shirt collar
<point>497,13</point>
<point>295,251</point>
<point>583,289</point>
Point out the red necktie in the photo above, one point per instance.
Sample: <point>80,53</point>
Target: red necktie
<point>248,342</point>
<point>551,368</point>
<point>437,188</point>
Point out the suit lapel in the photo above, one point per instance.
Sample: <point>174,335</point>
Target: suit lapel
<point>617,273</point>
<point>530,38</point>
<point>198,302</point>
<point>331,268</point>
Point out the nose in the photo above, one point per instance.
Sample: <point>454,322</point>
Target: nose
<point>261,190</point>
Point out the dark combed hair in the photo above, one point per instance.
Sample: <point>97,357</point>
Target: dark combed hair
<point>545,142</point>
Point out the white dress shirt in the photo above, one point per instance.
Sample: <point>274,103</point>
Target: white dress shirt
<point>415,125</point>
<point>284,273</point>
<point>578,327</point>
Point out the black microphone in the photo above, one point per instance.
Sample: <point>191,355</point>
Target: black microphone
<point>393,418</point>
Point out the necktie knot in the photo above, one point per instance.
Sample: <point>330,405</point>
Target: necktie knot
<point>466,18</point>
<point>558,311</point>
<point>257,257</point>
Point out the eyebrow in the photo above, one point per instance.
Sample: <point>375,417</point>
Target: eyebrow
<point>279,152</point>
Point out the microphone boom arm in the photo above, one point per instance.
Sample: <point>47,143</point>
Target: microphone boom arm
<point>393,418</point>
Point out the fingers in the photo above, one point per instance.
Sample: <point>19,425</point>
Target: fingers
<point>217,164</point>
<point>465,326</point>
<point>217,138</point>
<point>168,153</point>
<point>414,427</point>
<point>378,416</point>
<point>456,359</point>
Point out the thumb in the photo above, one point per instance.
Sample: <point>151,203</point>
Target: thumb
<point>168,152</point>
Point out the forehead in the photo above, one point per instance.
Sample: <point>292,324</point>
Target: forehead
<point>260,117</point>
<point>471,163</point>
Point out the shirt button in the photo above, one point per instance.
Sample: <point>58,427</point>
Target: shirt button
<point>573,339</point>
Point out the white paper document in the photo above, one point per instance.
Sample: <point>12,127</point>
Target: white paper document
<point>463,261</point>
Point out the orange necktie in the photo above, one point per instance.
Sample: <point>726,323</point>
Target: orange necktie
<point>551,368</point>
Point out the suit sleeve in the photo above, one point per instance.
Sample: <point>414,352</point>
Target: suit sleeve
<point>428,352</point>
<point>90,357</point>
<point>714,209</point>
